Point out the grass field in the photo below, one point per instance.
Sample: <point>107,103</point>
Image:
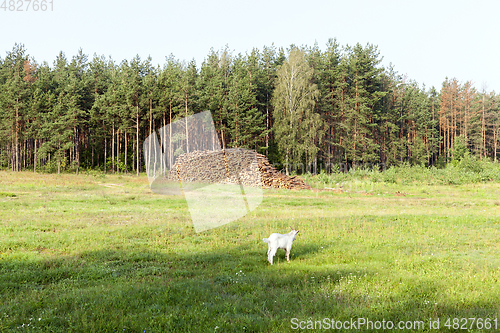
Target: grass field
<point>105,254</point>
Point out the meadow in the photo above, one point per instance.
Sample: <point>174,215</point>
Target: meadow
<point>95,253</point>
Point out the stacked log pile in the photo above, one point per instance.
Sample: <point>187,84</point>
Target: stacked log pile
<point>272,178</point>
<point>231,166</point>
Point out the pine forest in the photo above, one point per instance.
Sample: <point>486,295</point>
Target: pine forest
<point>308,109</point>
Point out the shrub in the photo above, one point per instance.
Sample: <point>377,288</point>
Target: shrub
<point>467,170</point>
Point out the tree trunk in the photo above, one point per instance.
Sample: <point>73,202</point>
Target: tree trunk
<point>187,129</point>
<point>170,148</point>
<point>17,135</point>
<point>150,132</point>
<point>137,138</point>
<point>126,144</point>
<point>267,124</point>
<point>495,144</point>
<point>34,158</point>
<point>483,132</point>
<point>113,146</point>
<point>133,155</point>
<point>118,151</point>
<point>59,159</point>
<point>105,146</point>
<point>164,161</point>
<point>77,148</point>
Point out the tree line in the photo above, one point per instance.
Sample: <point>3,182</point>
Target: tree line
<point>305,108</point>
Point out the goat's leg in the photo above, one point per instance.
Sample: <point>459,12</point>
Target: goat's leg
<point>287,255</point>
<point>270,256</point>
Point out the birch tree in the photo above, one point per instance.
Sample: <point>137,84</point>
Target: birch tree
<point>293,100</point>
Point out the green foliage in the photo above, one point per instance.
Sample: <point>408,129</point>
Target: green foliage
<point>469,170</point>
<point>95,173</point>
<point>119,162</point>
<point>344,107</point>
<point>245,121</point>
<point>460,151</point>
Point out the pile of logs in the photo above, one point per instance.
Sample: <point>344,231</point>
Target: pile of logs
<point>272,178</point>
<point>231,166</point>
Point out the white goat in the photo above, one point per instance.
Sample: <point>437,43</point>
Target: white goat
<point>279,241</point>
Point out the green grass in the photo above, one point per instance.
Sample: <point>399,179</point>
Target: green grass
<point>105,254</point>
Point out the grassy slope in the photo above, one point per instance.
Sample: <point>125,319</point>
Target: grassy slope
<point>79,256</point>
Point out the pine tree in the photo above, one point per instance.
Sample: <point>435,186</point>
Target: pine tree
<point>245,122</point>
<point>188,91</point>
<point>79,104</point>
<point>391,116</point>
<point>212,85</point>
<point>42,102</point>
<point>494,122</point>
<point>57,130</point>
<point>326,77</point>
<point>150,97</point>
<point>170,99</point>
<point>100,73</point>
<point>14,102</point>
<point>361,105</point>
<point>133,89</point>
<point>269,64</point>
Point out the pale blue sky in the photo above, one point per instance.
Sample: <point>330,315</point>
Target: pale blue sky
<point>427,40</point>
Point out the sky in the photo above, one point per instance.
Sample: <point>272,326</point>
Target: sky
<point>425,40</point>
